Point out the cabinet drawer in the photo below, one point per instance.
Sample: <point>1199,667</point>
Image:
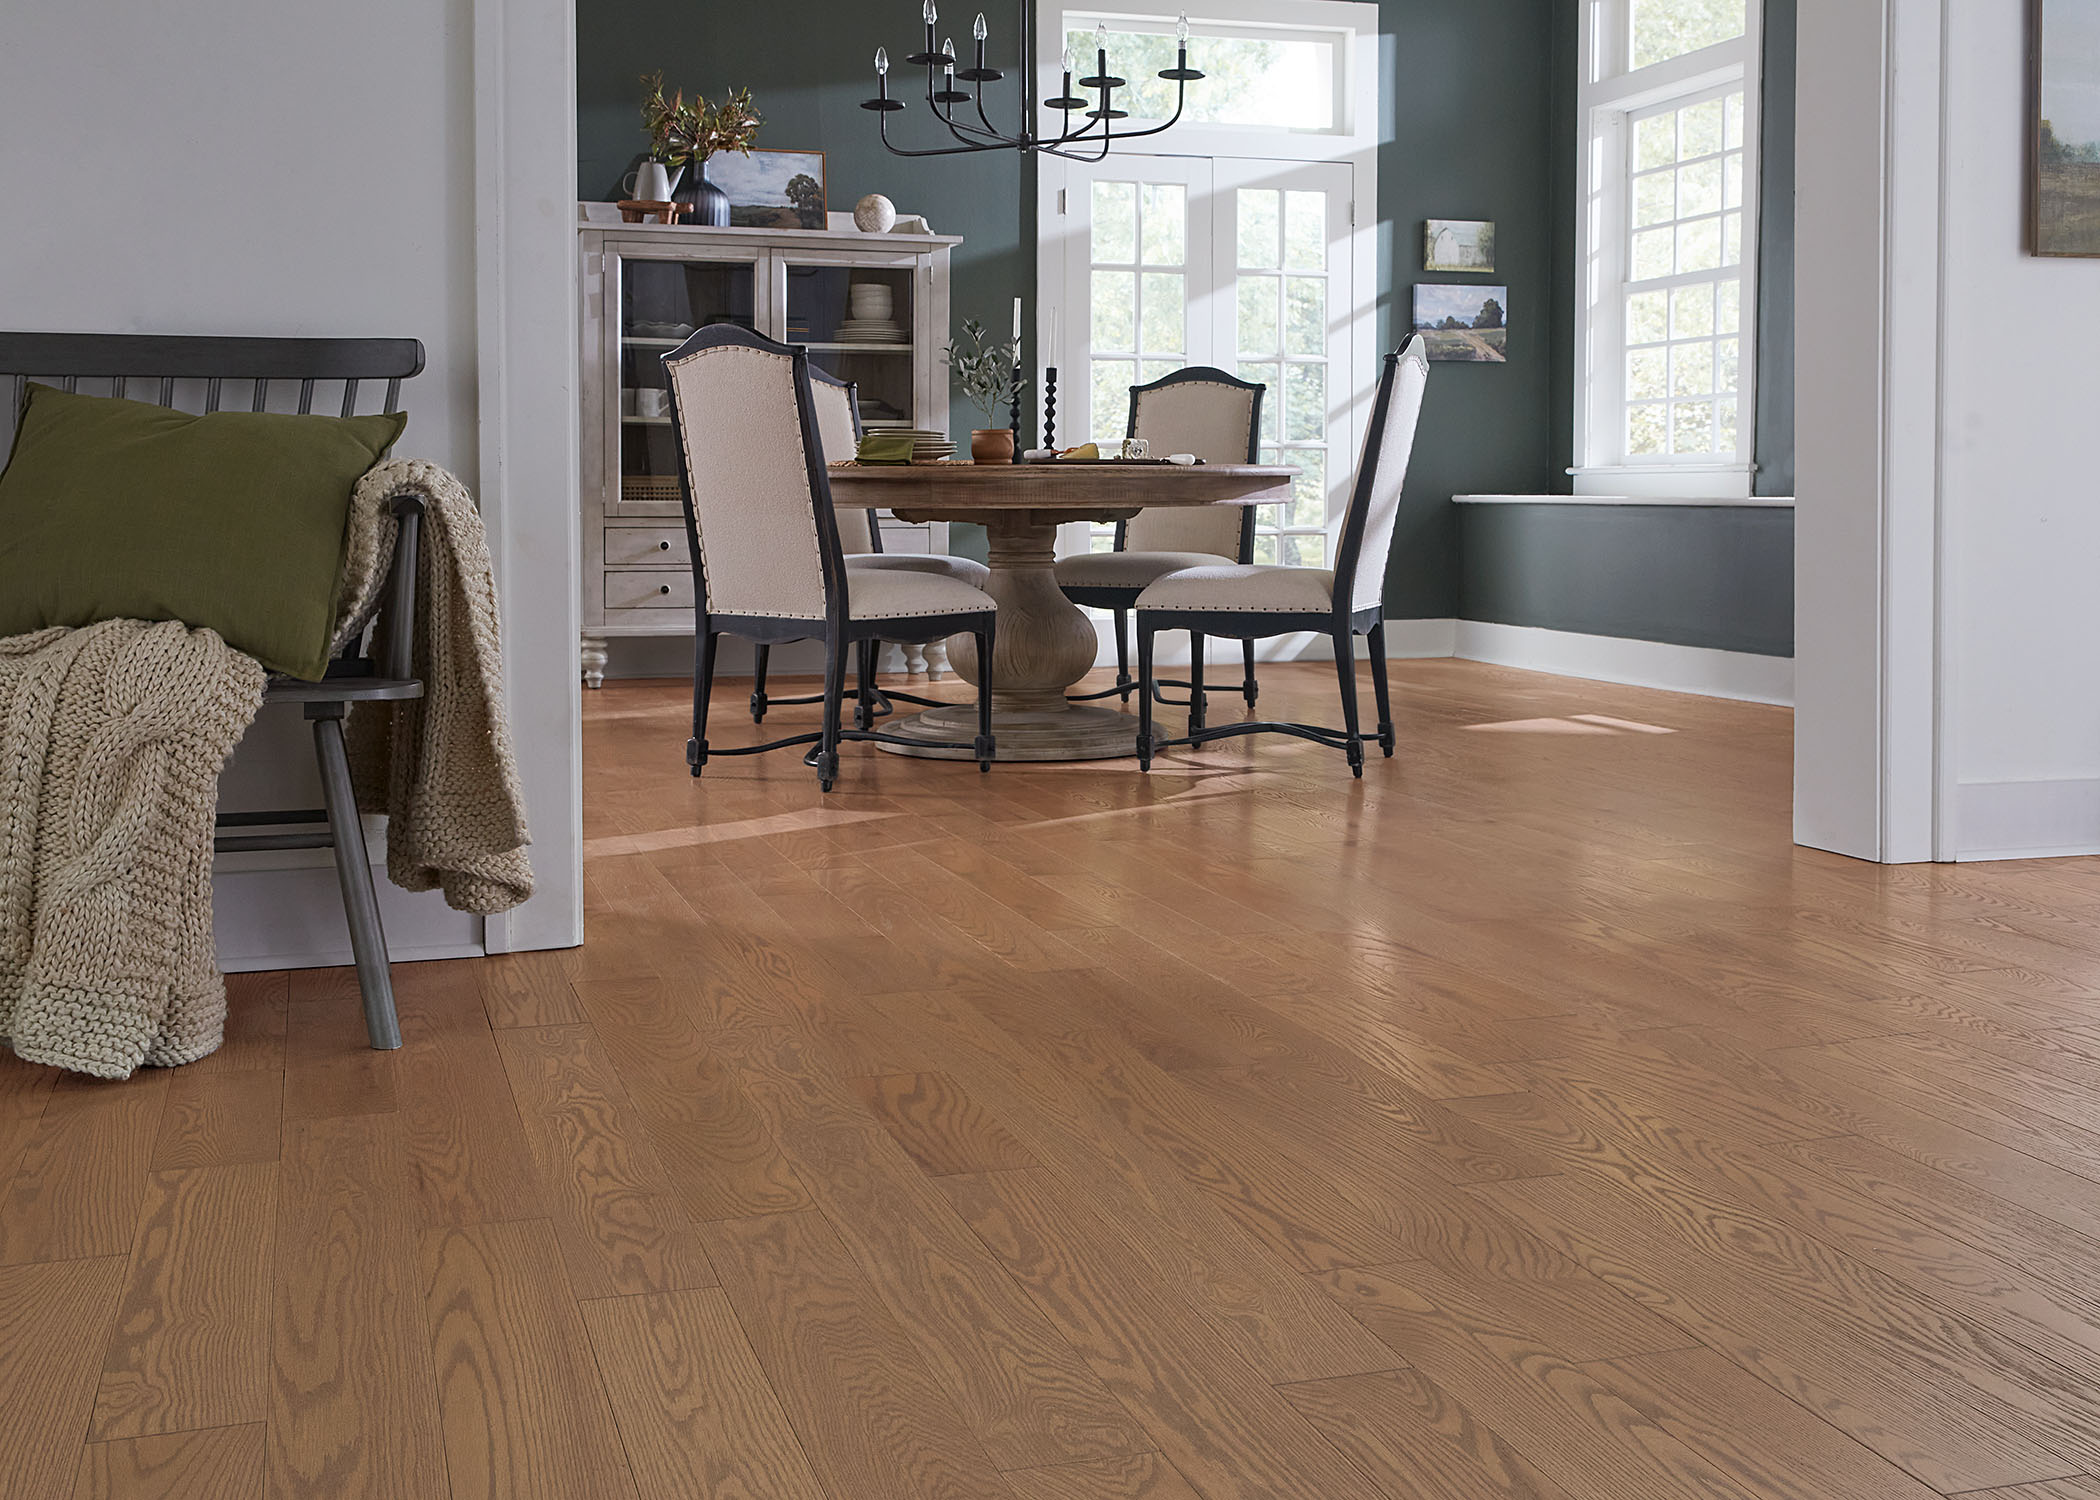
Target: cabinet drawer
<point>625,589</point>
<point>646,546</point>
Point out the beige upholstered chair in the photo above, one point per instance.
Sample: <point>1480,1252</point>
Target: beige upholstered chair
<point>860,534</point>
<point>1198,410</point>
<point>767,560</point>
<point>1249,602</point>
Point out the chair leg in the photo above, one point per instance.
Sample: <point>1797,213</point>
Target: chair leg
<point>353,868</point>
<point>758,684</point>
<point>1123,654</point>
<point>1197,705</point>
<point>1250,689</point>
<point>987,746</point>
<point>1345,668</point>
<point>1384,689</point>
<point>864,699</point>
<point>703,692</point>
<point>834,710</point>
<point>1145,691</point>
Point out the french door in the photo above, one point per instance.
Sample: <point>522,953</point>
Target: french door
<point>1154,263</point>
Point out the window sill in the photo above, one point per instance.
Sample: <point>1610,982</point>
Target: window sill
<point>1754,502</point>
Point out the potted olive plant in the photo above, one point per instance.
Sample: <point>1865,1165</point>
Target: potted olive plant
<point>988,373</point>
<point>682,134</point>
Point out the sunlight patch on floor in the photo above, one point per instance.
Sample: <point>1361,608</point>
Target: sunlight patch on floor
<point>722,833</point>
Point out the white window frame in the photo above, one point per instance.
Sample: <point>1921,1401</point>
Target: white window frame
<point>1609,93</point>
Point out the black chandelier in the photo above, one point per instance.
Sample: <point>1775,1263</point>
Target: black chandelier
<point>1090,142</point>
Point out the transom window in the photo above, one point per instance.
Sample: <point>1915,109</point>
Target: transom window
<point>1253,76</point>
<point>1664,389</point>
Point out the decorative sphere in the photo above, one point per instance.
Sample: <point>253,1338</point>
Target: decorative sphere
<point>875,214</point>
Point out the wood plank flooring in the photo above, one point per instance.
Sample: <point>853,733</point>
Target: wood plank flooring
<point>1528,1121</point>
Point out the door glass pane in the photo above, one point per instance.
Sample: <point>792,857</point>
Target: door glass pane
<point>1166,322</point>
<point>1305,315</point>
<point>1158,369</point>
<point>1261,228</point>
<point>857,324</point>
<point>1305,231</point>
<point>1115,222</point>
<point>1663,29</point>
<point>1309,490</point>
<point>1271,376</point>
<point>1257,298</point>
<point>1166,224</point>
<point>1113,379</point>
<point>1304,403</point>
<point>1115,311</point>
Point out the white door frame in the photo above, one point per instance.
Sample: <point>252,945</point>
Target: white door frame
<point>524,258</point>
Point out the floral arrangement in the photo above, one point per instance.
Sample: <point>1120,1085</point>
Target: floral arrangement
<point>681,132</point>
<point>988,372</point>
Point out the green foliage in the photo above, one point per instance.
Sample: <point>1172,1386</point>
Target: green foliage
<point>680,133</point>
<point>985,369</point>
<point>1663,29</point>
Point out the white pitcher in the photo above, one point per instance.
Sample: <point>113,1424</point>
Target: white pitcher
<point>652,182</point>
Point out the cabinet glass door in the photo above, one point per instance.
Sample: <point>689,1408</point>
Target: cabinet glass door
<point>662,303</point>
<point>859,322</point>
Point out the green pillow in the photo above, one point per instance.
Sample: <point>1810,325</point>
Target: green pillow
<point>116,509</point>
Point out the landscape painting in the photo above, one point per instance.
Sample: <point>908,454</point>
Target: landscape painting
<point>771,189</point>
<point>1458,245</point>
<point>1469,323</point>
<point>2065,195</point>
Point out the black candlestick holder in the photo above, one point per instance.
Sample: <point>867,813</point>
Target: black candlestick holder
<point>1050,407</point>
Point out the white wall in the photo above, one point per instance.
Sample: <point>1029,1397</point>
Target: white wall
<point>2020,498</point>
<point>1948,706</point>
<point>256,167</point>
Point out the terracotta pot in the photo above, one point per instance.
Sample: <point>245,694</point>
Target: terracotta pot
<point>992,445</point>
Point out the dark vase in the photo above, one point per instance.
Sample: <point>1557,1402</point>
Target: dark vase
<point>710,203</point>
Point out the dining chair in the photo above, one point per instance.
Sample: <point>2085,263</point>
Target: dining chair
<point>203,372</point>
<point>1249,601</point>
<point>860,534</point>
<point>1217,417</point>
<point>768,565</point>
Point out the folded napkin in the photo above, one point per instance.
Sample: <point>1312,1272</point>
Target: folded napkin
<point>885,448</point>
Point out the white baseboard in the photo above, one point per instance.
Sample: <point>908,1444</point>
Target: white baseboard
<point>1652,664</point>
<point>2026,819</point>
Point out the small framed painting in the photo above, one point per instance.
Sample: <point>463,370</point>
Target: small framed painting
<point>772,189</point>
<point>1458,245</point>
<point>2064,194</point>
<point>1467,323</point>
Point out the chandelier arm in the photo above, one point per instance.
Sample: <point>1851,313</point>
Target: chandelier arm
<point>990,129</point>
<point>966,150</point>
<point>963,130</point>
<point>1180,103</point>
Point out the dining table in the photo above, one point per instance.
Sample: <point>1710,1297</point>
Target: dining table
<point>1045,643</point>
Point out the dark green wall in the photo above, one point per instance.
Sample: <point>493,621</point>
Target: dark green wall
<point>1465,118</point>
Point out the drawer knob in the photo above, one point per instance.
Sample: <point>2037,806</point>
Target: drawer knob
<point>665,589</point>
<point>663,546</point>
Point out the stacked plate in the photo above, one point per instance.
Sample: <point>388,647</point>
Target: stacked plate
<point>928,444</point>
<point>882,330</point>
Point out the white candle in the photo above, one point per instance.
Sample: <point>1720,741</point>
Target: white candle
<point>1017,320</point>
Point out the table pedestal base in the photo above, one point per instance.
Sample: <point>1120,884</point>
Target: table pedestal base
<point>1046,643</point>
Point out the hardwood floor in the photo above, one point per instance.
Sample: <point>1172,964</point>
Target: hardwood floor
<point>1530,1119</point>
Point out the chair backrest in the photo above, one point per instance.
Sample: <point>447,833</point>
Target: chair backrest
<point>1374,505</point>
<point>1217,417</point>
<point>192,373</point>
<point>757,500</point>
<point>838,429</point>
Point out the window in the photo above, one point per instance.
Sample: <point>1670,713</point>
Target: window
<point>1253,76</point>
<point>1668,247</point>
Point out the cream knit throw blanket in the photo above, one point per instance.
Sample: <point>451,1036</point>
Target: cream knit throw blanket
<point>111,742</point>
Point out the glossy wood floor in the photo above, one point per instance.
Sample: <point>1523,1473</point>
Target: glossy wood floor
<point>1529,1119</point>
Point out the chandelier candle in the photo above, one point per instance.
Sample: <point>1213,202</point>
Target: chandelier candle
<point>1089,142</point>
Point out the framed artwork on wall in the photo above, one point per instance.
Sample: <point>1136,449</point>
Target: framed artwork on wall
<point>2063,193</point>
<point>772,189</point>
<point>1465,323</point>
<point>1458,245</point>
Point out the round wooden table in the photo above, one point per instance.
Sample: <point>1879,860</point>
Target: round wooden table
<point>1046,643</point>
